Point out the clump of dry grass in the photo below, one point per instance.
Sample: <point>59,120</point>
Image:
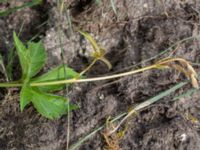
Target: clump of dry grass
<point>182,66</point>
<point>112,142</point>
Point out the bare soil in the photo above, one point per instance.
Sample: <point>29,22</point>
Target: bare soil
<point>139,31</point>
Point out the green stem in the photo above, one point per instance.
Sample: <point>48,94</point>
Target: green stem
<point>75,80</point>
<point>93,79</point>
<point>11,84</point>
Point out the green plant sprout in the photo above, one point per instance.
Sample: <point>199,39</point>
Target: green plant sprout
<point>32,59</point>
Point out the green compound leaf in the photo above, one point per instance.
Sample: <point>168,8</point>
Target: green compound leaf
<point>57,73</point>
<point>32,59</point>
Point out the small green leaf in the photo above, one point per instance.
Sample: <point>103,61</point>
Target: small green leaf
<point>50,106</point>
<point>57,73</point>
<point>31,59</point>
<point>22,53</point>
<point>25,96</point>
<point>37,58</point>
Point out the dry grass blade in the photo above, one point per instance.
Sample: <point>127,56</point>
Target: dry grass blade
<point>185,67</point>
<point>112,142</point>
<point>103,59</point>
<point>91,40</point>
<point>194,82</point>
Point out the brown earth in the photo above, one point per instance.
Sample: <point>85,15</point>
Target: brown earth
<point>139,31</point>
